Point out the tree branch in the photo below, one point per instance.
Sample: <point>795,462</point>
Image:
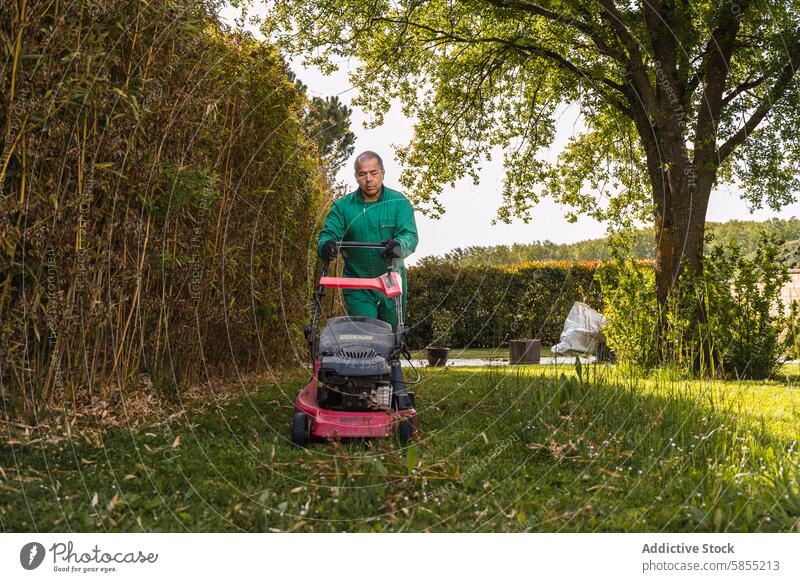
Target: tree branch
<point>775,93</point>
<point>720,48</point>
<point>644,94</point>
<point>532,49</point>
<point>580,25</point>
<point>746,86</point>
<point>660,21</point>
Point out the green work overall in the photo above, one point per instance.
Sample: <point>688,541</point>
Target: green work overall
<point>351,218</point>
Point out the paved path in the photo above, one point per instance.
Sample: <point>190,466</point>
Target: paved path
<point>459,362</point>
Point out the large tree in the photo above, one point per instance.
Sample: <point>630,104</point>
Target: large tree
<point>675,97</point>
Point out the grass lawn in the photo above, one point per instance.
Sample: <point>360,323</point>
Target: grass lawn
<point>522,449</point>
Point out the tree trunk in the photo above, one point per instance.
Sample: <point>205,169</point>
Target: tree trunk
<point>679,252</point>
<point>679,242</point>
<point>680,202</point>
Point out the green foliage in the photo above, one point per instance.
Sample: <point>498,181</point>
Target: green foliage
<point>180,189</point>
<point>442,327</point>
<point>747,234</point>
<point>629,295</point>
<point>790,254</point>
<point>735,303</point>
<point>491,305</point>
<point>485,74</point>
<point>745,314</point>
<point>329,123</point>
<point>411,457</point>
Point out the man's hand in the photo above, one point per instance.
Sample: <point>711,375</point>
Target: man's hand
<point>393,249</point>
<point>329,250</point>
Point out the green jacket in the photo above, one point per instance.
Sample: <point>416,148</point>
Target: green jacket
<point>353,219</point>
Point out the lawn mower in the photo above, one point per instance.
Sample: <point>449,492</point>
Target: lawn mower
<point>357,387</point>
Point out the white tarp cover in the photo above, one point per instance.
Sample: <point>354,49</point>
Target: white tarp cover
<point>582,331</point>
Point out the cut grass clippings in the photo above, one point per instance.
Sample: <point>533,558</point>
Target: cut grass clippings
<point>533,448</point>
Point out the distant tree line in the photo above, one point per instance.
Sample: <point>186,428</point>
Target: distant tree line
<point>641,242</point>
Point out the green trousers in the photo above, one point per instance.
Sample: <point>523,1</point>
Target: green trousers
<point>369,303</point>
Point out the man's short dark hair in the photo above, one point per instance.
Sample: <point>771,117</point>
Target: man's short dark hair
<point>367,155</point>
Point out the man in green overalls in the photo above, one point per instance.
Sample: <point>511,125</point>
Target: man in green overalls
<point>373,213</point>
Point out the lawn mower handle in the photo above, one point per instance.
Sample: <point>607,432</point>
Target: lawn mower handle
<point>393,265</point>
<point>360,245</point>
<point>348,244</point>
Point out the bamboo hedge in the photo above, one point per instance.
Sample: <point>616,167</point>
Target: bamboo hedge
<point>158,201</point>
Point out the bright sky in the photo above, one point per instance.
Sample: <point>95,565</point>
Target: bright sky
<point>470,209</point>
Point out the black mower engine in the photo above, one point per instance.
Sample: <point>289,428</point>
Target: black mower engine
<point>355,373</point>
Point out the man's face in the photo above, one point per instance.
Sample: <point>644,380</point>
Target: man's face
<point>370,177</point>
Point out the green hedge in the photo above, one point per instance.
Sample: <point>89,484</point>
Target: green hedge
<point>487,306</point>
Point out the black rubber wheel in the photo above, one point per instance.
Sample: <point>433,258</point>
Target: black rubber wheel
<point>405,430</point>
<point>300,429</point>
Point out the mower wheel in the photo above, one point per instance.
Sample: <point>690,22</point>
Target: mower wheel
<point>300,429</point>
<point>405,430</point>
